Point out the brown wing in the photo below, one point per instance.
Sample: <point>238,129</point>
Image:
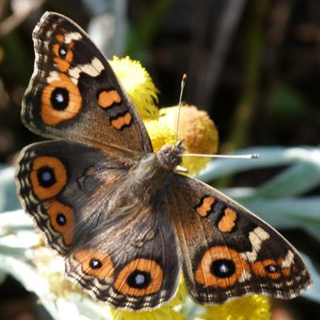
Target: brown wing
<point>74,94</point>
<point>227,251</point>
<point>131,260</point>
<point>65,187</point>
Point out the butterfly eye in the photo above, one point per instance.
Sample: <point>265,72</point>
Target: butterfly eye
<point>63,53</point>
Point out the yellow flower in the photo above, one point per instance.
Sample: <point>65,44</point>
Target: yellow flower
<point>195,127</point>
<point>167,311</point>
<point>138,84</point>
<point>198,131</point>
<point>255,307</point>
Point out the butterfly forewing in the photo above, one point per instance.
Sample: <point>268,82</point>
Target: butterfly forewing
<point>74,92</point>
<point>227,251</point>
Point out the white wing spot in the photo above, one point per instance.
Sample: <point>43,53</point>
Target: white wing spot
<point>53,76</point>
<point>256,237</point>
<point>72,36</point>
<point>288,260</point>
<point>92,69</point>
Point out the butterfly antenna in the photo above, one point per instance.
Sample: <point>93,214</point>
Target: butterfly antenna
<point>224,156</point>
<point>221,156</point>
<point>183,83</point>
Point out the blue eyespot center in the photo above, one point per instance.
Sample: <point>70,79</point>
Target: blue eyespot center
<point>95,264</point>
<point>271,268</point>
<point>60,99</point>
<point>63,51</point>
<point>61,219</point>
<point>139,279</point>
<point>46,177</point>
<point>223,268</point>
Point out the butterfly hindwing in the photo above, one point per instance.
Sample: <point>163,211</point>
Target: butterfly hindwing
<point>74,93</point>
<point>131,260</point>
<point>65,186</point>
<point>227,251</point>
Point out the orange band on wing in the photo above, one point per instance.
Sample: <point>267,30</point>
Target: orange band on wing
<point>144,270</point>
<point>66,108</point>
<point>107,99</point>
<point>227,222</point>
<point>205,206</point>
<point>62,220</point>
<point>122,121</point>
<point>48,177</point>
<point>60,37</point>
<point>95,263</point>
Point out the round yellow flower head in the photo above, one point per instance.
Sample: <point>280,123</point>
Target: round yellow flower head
<point>255,307</point>
<point>138,84</point>
<point>195,127</point>
<point>197,130</point>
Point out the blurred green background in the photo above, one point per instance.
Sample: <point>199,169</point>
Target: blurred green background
<point>254,66</point>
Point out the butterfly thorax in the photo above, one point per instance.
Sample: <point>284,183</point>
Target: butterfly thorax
<point>170,156</point>
<point>152,172</point>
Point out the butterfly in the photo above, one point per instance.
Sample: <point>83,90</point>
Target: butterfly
<point>127,224</point>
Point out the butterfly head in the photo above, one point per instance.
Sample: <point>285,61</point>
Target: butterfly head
<point>170,156</point>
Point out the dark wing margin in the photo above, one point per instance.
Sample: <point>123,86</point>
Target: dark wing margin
<point>229,252</point>
<point>131,261</point>
<point>74,93</point>
<point>64,186</point>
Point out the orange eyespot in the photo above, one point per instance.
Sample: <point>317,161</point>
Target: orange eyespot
<point>267,268</point>
<point>48,177</point>
<point>61,100</point>
<point>220,267</point>
<point>63,56</point>
<point>95,263</point>
<point>62,220</point>
<point>138,278</point>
